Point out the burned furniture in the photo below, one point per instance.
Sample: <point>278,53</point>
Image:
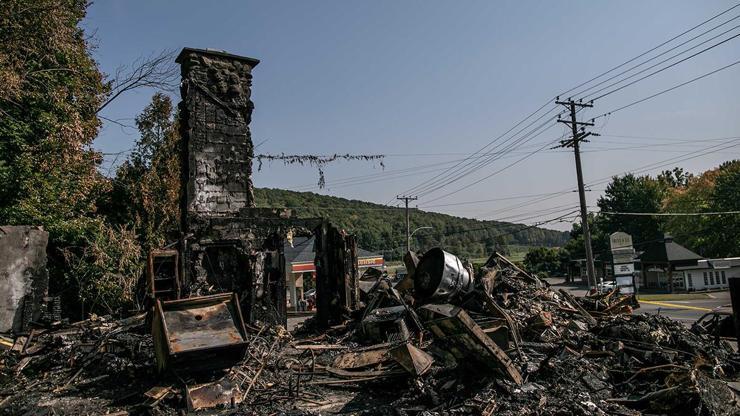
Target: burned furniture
<point>203,333</point>
<point>163,274</point>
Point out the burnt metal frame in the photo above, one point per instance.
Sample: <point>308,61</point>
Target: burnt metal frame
<point>161,335</point>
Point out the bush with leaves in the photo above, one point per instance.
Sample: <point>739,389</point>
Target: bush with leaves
<point>101,266</point>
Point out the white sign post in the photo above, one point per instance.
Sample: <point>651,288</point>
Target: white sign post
<point>623,254</point>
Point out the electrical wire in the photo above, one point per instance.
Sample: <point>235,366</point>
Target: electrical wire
<point>482,149</point>
<point>656,72</point>
<point>670,214</point>
<point>580,93</point>
<point>451,173</point>
<point>667,90</point>
<point>425,185</point>
<point>524,139</point>
<point>652,49</point>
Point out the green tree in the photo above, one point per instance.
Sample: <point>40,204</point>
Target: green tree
<point>632,193</point>
<point>146,188</point>
<point>599,239</point>
<point>50,90</point>
<point>726,228</point>
<point>715,190</point>
<point>543,260</point>
<point>694,232</point>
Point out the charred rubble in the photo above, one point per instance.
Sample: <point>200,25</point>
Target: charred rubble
<point>444,341</point>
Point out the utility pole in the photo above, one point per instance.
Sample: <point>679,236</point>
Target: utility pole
<point>579,135</point>
<point>406,200</point>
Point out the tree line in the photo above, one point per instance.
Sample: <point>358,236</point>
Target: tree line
<point>715,192</point>
<point>383,229</point>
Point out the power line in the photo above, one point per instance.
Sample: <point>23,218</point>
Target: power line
<point>670,138</point>
<point>413,189</point>
<point>523,139</point>
<point>537,224</point>
<point>424,186</point>
<point>640,169</point>
<point>419,169</point>
<point>455,174</point>
<point>548,144</point>
<point>579,94</point>
<point>338,208</point>
<point>487,200</point>
<point>670,214</point>
<point>667,90</point>
<point>652,49</point>
<point>658,71</point>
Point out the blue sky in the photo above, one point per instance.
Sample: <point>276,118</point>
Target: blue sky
<point>428,82</point>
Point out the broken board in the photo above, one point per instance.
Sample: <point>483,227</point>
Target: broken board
<point>467,341</point>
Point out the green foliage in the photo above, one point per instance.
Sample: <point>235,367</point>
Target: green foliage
<point>101,266</point>
<point>146,188</point>
<point>50,89</point>
<point>632,193</point>
<point>716,190</point>
<point>599,239</point>
<point>545,261</point>
<point>383,229</point>
<point>672,191</point>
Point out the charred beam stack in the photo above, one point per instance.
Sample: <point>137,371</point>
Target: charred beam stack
<point>337,277</point>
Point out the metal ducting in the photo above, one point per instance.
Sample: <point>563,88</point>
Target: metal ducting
<point>441,276</point>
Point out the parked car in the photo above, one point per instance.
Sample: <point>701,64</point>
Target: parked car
<point>607,286</point>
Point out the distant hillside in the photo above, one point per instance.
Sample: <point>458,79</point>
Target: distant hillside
<point>383,230</point>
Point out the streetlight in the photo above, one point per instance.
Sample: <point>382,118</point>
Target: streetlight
<point>412,234</point>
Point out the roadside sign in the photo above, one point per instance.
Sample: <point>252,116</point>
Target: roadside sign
<point>622,258</point>
<point>623,254</point>
<point>627,290</point>
<point>620,240</point>
<point>624,269</point>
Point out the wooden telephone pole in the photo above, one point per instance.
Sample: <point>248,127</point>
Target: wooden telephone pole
<point>579,135</point>
<point>406,199</point>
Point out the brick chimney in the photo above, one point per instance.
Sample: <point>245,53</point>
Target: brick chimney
<point>217,152</point>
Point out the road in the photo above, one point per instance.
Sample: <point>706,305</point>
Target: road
<point>686,311</point>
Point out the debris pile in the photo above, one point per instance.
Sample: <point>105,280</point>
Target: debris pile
<point>445,340</point>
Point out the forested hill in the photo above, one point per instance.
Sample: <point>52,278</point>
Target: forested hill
<point>381,229</point>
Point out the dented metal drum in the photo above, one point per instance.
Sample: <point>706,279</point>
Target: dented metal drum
<point>441,276</point>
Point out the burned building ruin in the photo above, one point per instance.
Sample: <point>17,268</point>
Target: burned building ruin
<point>228,245</point>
